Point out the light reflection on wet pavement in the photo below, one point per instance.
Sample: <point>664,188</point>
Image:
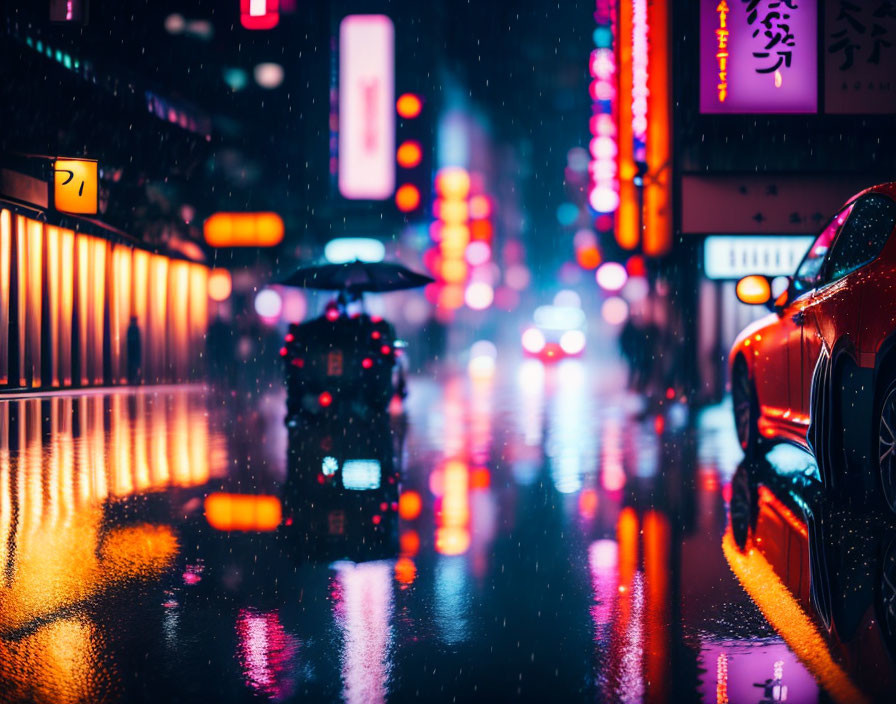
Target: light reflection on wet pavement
<point>565,545</point>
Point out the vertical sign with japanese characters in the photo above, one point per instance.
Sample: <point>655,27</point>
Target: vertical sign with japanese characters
<point>366,107</point>
<point>860,56</point>
<point>758,56</point>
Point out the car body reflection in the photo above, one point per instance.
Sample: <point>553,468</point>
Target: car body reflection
<point>821,570</point>
<point>341,495</point>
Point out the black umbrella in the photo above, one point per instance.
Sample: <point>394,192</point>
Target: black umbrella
<point>357,277</point>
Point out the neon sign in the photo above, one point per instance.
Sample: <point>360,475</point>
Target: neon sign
<point>722,53</point>
<point>603,191</point>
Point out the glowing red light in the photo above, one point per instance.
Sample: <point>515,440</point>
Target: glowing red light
<point>325,399</point>
<point>367,362</point>
<point>259,14</point>
<point>376,335</point>
<point>332,314</point>
<point>384,507</point>
<point>289,337</point>
<point>385,349</point>
<point>298,362</point>
<point>283,351</point>
<point>636,266</point>
<point>377,519</point>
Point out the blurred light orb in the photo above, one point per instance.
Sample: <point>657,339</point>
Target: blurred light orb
<point>268,304</point>
<point>410,504</point>
<point>328,466</point>
<point>611,276</point>
<point>407,198</point>
<point>604,199</point>
<point>480,207</point>
<point>484,348</point>
<point>455,212</point>
<point>577,159</point>
<point>202,29</point>
<point>603,147</point>
<point>408,105</point>
<point>478,253</point>
<point>175,23</point>
<point>268,75</point>
<point>453,182</point>
<point>533,340</point>
<point>584,238</point>
<point>479,295</point>
<point>588,257</point>
<point>454,271</point>
<point>636,289</point>
<point>481,367</point>
<point>567,298</point>
<point>451,297</point>
<point>567,213</point>
<point>220,285</point>
<point>295,305</point>
<point>614,310</point>
<point>572,341</point>
<point>518,277</point>
<point>236,78</point>
<point>603,37</point>
<point>409,154</point>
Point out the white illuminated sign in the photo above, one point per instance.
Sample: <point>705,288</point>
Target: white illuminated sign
<point>348,249</point>
<point>734,256</point>
<point>361,475</point>
<point>366,107</point>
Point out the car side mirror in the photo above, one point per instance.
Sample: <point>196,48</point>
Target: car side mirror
<point>754,290</point>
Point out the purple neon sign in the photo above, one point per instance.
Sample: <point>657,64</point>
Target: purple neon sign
<point>758,56</point>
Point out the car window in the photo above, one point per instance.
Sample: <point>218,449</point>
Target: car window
<point>808,273</point>
<point>863,235</point>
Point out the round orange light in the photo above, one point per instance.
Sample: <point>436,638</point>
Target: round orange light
<point>480,207</point>
<point>409,154</point>
<point>453,182</point>
<point>219,285</point>
<point>451,297</point>
<point>409,542</point>
<point>454,271</point>
<point>409,505</point>
<point>754,290</point>
<point>408,105</point>
<point>405,570</point>
<point>588,257</point>
<point>407,198</point>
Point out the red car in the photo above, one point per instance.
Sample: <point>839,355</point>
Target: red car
<point>820,370</point>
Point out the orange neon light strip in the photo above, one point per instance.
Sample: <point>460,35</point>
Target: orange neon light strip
<point>627,234</point>
<point>657,183</point>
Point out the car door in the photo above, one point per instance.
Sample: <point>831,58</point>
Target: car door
<point>834,309</point>
<point>793,319</point>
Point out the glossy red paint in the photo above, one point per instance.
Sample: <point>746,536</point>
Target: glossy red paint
<point>840,299</point>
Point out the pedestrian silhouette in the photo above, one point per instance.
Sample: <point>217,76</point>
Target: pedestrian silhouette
<point>135,352</point>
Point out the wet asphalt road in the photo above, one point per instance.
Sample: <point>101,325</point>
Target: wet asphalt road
<point>546,538</point>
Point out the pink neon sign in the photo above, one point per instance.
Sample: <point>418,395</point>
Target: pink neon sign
<point>366,107</point>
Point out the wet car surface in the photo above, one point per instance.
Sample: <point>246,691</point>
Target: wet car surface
<point>554,539</point>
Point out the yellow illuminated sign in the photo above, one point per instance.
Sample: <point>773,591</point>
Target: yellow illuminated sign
<point>75,186</point>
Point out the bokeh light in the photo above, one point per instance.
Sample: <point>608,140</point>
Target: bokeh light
<point>407,198</point>
<point>268,304</point>
<point>479,295</point>
<point>533,340</point>
<point>611,276</point>
<point>614,310</point>
<point>408,105</point>
<point>268,75</point>
<point>409,154</point>
<point>220,285</point>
